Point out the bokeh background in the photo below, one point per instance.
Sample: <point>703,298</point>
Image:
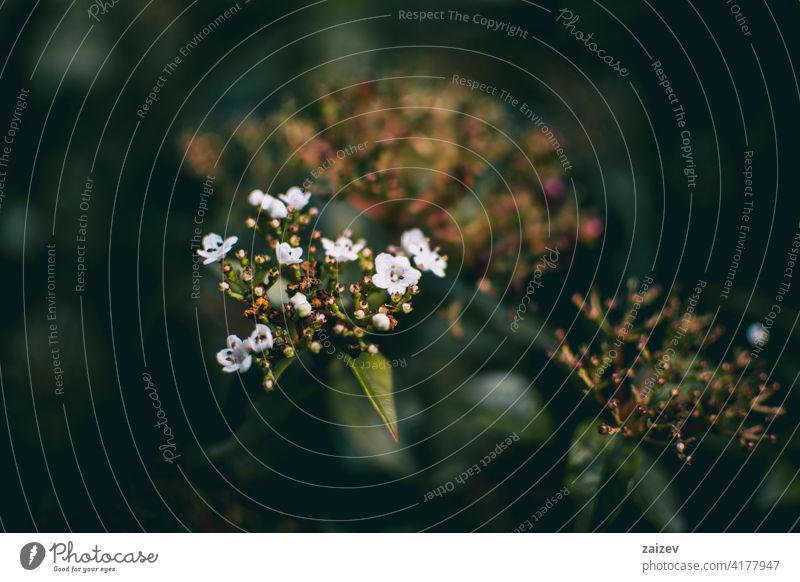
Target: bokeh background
<point>88,459</point>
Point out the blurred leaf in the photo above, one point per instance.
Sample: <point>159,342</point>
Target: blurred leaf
<point>597,476</point>
<point>780,488</point>
<point>488,408</point>
<point>374,373</point>
<point>506,402</point>
<point>655,496</point>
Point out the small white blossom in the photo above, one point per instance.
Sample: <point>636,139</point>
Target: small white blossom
<point>395,274</point>
<point>381,322</point>
<point>295,197</point>
<point>236,358</point>
<point>289,255</point>
<point>215,248</point>
<point>432,261</point>
<point>301,305</point>
<point>256,197</point>
<point>757,335</point>
<point>414,242</point>
<point>343,249</point>
<point>261,339</point>
<point>274,207</point>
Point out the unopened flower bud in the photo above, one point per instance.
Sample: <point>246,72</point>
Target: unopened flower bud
<point>241,254</point>
<point>359,314</point>
<point>315,347</point>
<point>372,349</point>
<point>250,222</point>
<point>406,307</point>
<point>224,286</point>
<point>358,332</point>
<point>247,275</point>
<point>381,322</point>
<point>338,329</point>
<point>288,351</point>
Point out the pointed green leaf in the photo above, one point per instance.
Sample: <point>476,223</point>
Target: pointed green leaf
<point>374,373</point>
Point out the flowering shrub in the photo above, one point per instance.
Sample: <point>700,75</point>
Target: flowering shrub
<point>321,308</point>
<point>651,372</point>
<point>493,195</point>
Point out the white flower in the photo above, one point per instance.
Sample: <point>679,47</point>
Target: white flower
<point>236,358</point>
<point>343,249</point>
<point>260,340</point>
<point>256,197</point>
<point>757,335</point>
<point>395,274</point>
<point>214,248</point>
<point>381,322</point>
<point>301,305</point>
<point>274,207</point>
<point>289,255</point>
<point>414,242</point>
<point>432,261</point>
<point>295,197</point>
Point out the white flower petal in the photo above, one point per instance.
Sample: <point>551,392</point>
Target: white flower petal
<point>261,338</point>
<point>414,242</point>
<point>289,255</point>
<point>256,197</point>
<point>295,197</point>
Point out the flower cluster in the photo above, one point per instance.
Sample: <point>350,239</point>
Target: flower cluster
<point>651,373</point>
<point>316,309</point>
<point>503,215</point>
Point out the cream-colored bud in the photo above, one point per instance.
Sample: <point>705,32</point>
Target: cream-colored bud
<point>381,322</point>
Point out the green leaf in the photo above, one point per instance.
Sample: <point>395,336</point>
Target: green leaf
<point>374,373</point>
<point>599,468</point>
<point>656,497</point>
<point>781,488</point>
